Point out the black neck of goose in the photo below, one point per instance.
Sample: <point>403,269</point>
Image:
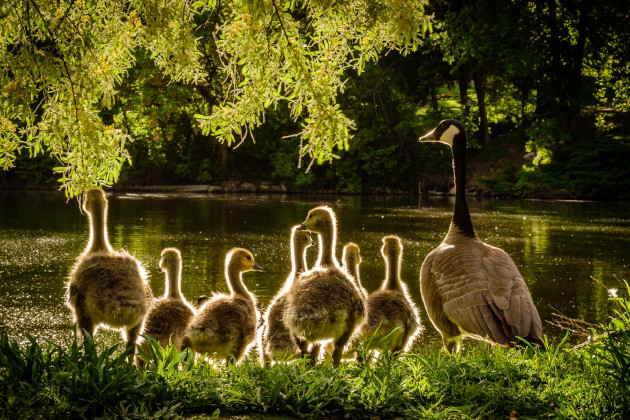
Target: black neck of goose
<point>461,215</point>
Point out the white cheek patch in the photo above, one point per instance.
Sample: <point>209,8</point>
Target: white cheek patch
<point>449,135</point>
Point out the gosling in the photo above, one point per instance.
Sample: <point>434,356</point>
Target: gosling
<point>225,326</point>
<point>170,316</point>
<point>392,318</point>
<point>276,340</point>
<point>107,287</point>
<point>324,303</point>
<point>351,258</point>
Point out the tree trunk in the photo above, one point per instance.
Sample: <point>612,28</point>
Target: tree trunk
<point>434,100</point>
<point>484,133</point>
<point>463,96</point>
<point>224,160</point>
<point>577,63</point>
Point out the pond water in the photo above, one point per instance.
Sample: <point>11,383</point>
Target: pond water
<point>558,246</point>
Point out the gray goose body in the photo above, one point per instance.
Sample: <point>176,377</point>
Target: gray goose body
<point>470,288</point>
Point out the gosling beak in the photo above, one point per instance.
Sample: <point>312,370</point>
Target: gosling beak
<point>430,136</point>
<point>258,267</point>
<point>302,226</point>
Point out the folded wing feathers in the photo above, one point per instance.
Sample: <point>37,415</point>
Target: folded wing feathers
<point>483,292</point>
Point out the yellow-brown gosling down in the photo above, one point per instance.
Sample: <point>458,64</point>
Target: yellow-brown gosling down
<point>324,303</point>
<point>470,288</point>
<point>276,340</point>
<point>225,325</point>
<point>107,287</point>
<point>351,258</point>
<point>171,314</point>
<point>391,312</point>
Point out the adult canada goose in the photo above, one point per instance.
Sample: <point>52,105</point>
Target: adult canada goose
<point>107,287</point>
<point>324,303</point>
<point>276,341</point>
<point>351,258</point>
<point>172,313</point>
<point>225,326</point>
<point>470,288</point>
<point>390,310</point>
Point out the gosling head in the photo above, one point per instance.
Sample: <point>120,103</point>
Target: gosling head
<point>242,260</point>
<point>94,201</point>
<point>171,257</point>
<point>319,220</point>
<point>446,132</point>
<point>392,247</point>
<point>352,253</point>
<point>302,238</point>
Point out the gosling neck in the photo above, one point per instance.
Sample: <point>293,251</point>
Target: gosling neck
<point>353,270</point>
<point>98,231</point>
<point>461,216</point>
<point>234,277</point>
<point>327,240</point>
<point>298,260</point>
<point>173,280</point>
<point>392,272</point>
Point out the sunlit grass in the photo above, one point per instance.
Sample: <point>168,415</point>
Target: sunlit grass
<point>46,380</point>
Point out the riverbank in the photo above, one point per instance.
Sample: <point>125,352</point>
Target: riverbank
<point>593,169</point>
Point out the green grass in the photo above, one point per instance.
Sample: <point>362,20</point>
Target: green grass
<point>45,380</point>
<point>50,382</point>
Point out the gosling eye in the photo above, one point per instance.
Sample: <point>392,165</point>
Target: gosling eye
<point>249,258</point>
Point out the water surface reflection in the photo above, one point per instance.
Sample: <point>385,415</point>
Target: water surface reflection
<point>558,246</point>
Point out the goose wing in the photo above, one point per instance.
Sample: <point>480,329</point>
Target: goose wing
<point>483,292</point>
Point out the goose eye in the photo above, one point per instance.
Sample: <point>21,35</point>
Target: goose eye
<point>310,215</point>
<point>249,258</point>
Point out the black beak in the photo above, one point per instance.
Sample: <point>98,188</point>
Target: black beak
<point>258,267</point>
<point>430,136</point>
<point>303,226</point>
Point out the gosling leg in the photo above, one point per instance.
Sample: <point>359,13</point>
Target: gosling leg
<point>303,346</point>
<point>340,343</point>
<point>266,360</point>
<point>314,353</point>
<point>132,337</point>
<point>85,323</point>
<point>451,344</point>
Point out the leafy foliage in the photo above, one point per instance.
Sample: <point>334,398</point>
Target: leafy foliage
<point>577,171</point>
<point>611,350</point>
<point>61,66</point>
